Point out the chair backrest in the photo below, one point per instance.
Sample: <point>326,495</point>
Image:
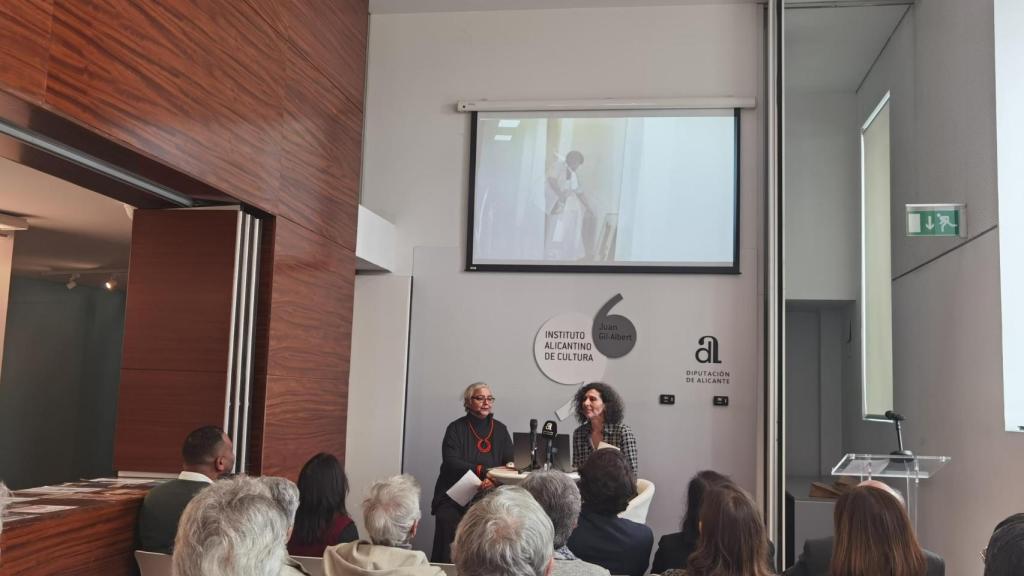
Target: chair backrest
<point>313,565</point>
<point>638,506</point>
<point>153,563</point>
<point>449,569</point>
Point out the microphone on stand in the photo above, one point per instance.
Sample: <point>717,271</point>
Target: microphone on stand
<point>550,431</point>
<point>896,418</point>
<point>533,443</point>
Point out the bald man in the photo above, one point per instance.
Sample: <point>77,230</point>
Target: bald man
<point>817,554</point>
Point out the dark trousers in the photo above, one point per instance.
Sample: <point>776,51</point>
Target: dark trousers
<point>446,521</point>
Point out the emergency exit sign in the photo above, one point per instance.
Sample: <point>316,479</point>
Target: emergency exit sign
<point>937,220</point>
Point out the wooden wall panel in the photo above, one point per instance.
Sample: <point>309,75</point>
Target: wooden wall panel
<point>303,417</point>
<point>311,306</point>
<point>157,409</point>
<point>152,75</point>
<point>322,156</point>
<point>331,34</point>
<point>262,99</point>
<point>178,310</point>
<point>24,46</point>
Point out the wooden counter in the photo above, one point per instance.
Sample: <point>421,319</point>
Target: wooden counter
<point>96,536</point>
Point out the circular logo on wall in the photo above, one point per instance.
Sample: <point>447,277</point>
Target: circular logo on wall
<point>565,351</point>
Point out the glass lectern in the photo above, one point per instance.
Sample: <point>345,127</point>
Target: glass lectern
<point>913,469</point>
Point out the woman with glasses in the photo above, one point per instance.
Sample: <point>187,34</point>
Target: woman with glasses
<point>476,442</point>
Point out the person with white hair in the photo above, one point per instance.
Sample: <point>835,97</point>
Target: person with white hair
<point>286,494</point>
<point>391,515</point>
<point>558,495</point>
<point>233,528</point>
<point>5,495</point>
<point>506,533</point>
<point>474,443</point>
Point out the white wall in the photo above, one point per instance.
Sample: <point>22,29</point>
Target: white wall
<point>416,147</point>
<point>376,394</point>
<point>946,305</point>
<point>822,207</point>
<point>415,171</point>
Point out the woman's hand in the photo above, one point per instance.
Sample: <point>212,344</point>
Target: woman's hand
<point>486,485</point>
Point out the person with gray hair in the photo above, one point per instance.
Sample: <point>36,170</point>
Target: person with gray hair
<point>286,495</point>
<point>5,494</point>
<point>391,514</point>
<point>507,533</point>
<point>233,528</point>
<point>558,495</point>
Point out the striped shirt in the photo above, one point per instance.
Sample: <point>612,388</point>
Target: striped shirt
<point>618,435</point>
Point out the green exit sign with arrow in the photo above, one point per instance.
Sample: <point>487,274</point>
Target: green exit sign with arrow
<point>937,220</point>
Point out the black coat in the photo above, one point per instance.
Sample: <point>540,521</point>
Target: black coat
<point>622,546</point>
<point>817,555</point>
<point>459,454</point>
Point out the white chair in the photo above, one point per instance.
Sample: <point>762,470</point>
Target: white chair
<point>315,566</point>
<point>449,569</point>
<point>153,563</point>
<point>639,505</point>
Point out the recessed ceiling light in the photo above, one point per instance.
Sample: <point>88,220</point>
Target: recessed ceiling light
<point>508,123</point>
<point>503,137</point>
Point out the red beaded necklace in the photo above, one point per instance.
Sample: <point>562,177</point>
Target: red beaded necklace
<point>482,444</point>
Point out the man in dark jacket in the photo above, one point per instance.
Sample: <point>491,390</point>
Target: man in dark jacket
<point>208,454</point>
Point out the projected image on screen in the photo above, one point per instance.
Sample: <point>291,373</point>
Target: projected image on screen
<point>588,189</point>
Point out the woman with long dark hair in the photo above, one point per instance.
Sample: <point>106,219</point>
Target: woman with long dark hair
<point>599,410</point>
<point>873,535</point>
<point>675,548</point>
<point>732,537</point>
<point>321,519</point>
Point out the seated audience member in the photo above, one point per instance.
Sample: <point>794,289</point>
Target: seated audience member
<point>322,520</point>
<point>622,546</point>
<point>505,534</point>
<point>1004,555</point>
<point>391,515</point>
<point>873,535</point>
<point>732,539</point>
<point>232,528</point>
<point>207,454</point>
<point>675,548</point>
<point>558,495</point>
<point>4,495</point>
<point>286,496</point>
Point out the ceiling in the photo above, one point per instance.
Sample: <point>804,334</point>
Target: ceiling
<point>832,49</point>
<point>410,6</point>
<point>70,228</point>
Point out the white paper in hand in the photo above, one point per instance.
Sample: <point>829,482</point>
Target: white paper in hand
<point>464,490</point>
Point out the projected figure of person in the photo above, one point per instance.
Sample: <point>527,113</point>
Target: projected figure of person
<point>566,208</point>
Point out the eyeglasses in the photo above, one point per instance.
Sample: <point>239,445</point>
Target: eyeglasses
<point>482,398</point>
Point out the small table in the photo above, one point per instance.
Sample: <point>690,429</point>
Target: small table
<point>512,477</point>
<point>81,532</point>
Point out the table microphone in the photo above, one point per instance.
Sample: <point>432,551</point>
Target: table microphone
<point>550,431</point>
<point>906,454</point>
<point>533,443</point>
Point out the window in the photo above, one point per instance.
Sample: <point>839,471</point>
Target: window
<point>876,264</point>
